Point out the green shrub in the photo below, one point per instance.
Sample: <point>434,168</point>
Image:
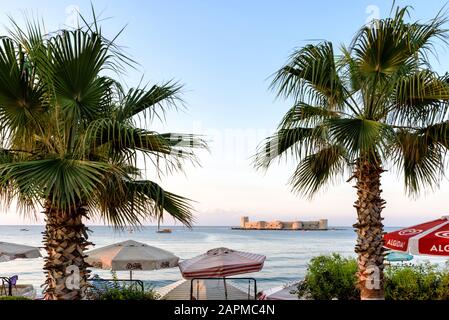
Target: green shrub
<point>121,291</point>
<point>416,282</point>
<point>13,298</point>
<point>128,293</point>
<point>334,277</point>
<point>330,277</point>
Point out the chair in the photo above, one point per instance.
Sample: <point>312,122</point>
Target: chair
<point>11,282</point>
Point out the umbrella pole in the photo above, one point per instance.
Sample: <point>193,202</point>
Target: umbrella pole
<point>225,288</point>
<point>130,274</point>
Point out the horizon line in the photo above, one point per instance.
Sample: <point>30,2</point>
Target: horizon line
<point>181,226</point>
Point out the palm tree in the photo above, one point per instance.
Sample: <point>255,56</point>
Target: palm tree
<point>71,136</point>
<point>375,106</point>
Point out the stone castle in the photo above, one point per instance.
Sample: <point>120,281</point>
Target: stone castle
<point>283,225</point>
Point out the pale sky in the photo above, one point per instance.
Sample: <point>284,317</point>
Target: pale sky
<point>224,52</point>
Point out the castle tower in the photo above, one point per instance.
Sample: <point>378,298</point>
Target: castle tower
<point>297,225</point>
<point>323,224</point>
<point>243,221</point>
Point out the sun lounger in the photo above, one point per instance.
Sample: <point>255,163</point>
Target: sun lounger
<point>285,292</point>
<point>202,290</point>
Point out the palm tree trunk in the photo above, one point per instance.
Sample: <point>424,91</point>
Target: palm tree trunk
<point>369,230</point>
<point>65,240</point>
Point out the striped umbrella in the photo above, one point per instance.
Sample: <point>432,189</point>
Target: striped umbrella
<point>221,263</point>
<point>430,238</point>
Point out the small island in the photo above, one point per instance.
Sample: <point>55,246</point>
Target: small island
<point>245,224</point>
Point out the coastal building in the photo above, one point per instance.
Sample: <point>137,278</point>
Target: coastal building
<point>283,225</point>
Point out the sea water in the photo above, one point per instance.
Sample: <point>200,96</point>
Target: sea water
<point>287,252</point>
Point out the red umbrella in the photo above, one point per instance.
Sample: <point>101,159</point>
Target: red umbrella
<point>431,238</point>
<point>221,262</point>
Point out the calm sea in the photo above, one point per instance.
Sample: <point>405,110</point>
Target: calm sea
<point>288,252</point>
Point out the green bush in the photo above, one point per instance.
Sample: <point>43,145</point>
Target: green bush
<point>416,282</point>
<point>120,291</point>
<point>334,277</point>
<point>330,277</point>
<point>13,298</point>
<point>128,293</point>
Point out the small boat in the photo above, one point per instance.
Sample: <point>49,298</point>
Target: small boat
<point>24,230</point>
<point>164,231</point>
<point>159,230</point>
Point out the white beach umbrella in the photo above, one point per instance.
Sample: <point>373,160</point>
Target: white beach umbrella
<point>131,255</point>
<point>10,251</point>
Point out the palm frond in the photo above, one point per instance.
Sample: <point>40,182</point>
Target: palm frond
<point>306,115</point>
<point>63,181</point>
<point>384,46</point>
<point>437,133</point>
<point>124,139</point>
<point>420,98</point>
<point>316,170</point>
<point>178,207</point>
<point>419,158</point>
<point>294,142</point>
<point>360,137</point>
<point>72,71</point>
<point>151,102</point>
<point>20,92</point>
<point>311,74</point>
<point>123,201</point>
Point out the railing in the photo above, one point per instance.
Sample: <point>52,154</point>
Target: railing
<point>114,283</point>
<point>3,289</point>
<point>225,287</point>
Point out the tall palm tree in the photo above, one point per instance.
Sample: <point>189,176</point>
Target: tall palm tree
<point>376,105</point>
<point>71,137</point>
